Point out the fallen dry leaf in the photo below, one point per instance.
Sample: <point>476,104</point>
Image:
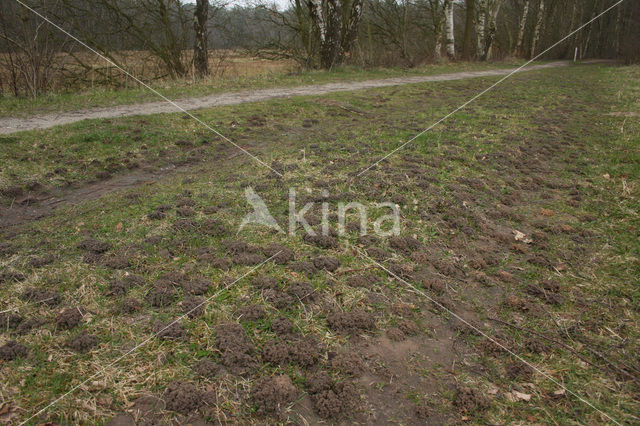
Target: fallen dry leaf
<point>520,236</point>
<point>516,396</point>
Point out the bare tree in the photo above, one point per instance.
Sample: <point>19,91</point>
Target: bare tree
<point>32,50</point>
<point>536,31</point>
<point>493,8</point>
<point>468,28</point>
<point>451,46</point>
<point>200,39</point>
<point>521,26</point>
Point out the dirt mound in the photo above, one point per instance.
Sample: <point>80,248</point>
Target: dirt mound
<point>282,326</point>
<point>469,400</point>
<point>331,398</point>
<point>283,254</point>
<point>277,298</point>
<point>10,320</point>
<point>40,261</point>
<point>326,262</point>
<point>272,394</point>
<point>304,267</point>
<point>301,290</point>
<point>30,324</point>
<point>128,306</point>
<point>193,306</point>
<point>186,398</point>
<point>365,280</point>
<point>206,368</point>
<point>197,286</point>
<point>11,276</point>
<point>94,246</point>
<point>322,241</point>
<point>395,334</point>
<point>161,294</point>
<point>350,322</point>
<point>349,363</point>
<point>378,254</point>
<point>236,349</point>
<point>69,318</point>
<point>171,330</point>
<point>251,313</point>
<point>83,342</point>
<point>264,282</point>
<point>404,244</point>
<point>12,350</point>
<point>304,351</point>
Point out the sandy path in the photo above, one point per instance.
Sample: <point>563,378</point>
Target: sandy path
<point>14,124</point>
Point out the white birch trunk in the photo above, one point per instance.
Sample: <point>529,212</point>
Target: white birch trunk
<point>523,24</point>
<point>322,26</point>
<point>494,9</point>
<point>451,47</point>
<point>481,27</point>
<point>536,33</point>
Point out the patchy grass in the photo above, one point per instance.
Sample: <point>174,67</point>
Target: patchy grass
<point>543,155</point>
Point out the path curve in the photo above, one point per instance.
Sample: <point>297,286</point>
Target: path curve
<point>10,125</point>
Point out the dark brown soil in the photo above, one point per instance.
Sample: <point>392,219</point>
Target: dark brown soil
<point>185,398</point>
<point>322,241</point>
<point>304,267</point>
<point>69,318</point>
<point>331,398</point>
<point>171,330</point>
<point>404,244</point>
<point>278,298</point>
<point>197,286</point>
<point>12,350</point>
<point>161,294</point>
<point>301,290</point>
<point>283,254</point>
<point>365,280</point>
<point>326,262</point>
<point>193,306</point>
<point>469,400</point>
<point>94,246</point>
<point>282,326</point>
<point>206,368</point>
<point>40,261</point>
<point>83,342</point>
<point>264,282</point>
<point>129,305</point>
<point>351,322</point>
<point>251,313</point>
<point>349,363</point>
<point>235,348</point>
<point>271,395</point>
<point>10,320</point>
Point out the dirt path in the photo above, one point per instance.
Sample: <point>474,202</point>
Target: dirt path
<point>14,124</point>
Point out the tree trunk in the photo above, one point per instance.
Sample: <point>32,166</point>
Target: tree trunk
<point>200,51</point>
<point>468,29</point>
<point>480,28</point>
<point>451,45</point>
<point>536,32</point>
<point>523,23</point>
<point>350,30</point>
<point>494,9</point>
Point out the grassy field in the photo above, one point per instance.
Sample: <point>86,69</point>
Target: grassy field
<point>243,73</point>
<point>519,214</point>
